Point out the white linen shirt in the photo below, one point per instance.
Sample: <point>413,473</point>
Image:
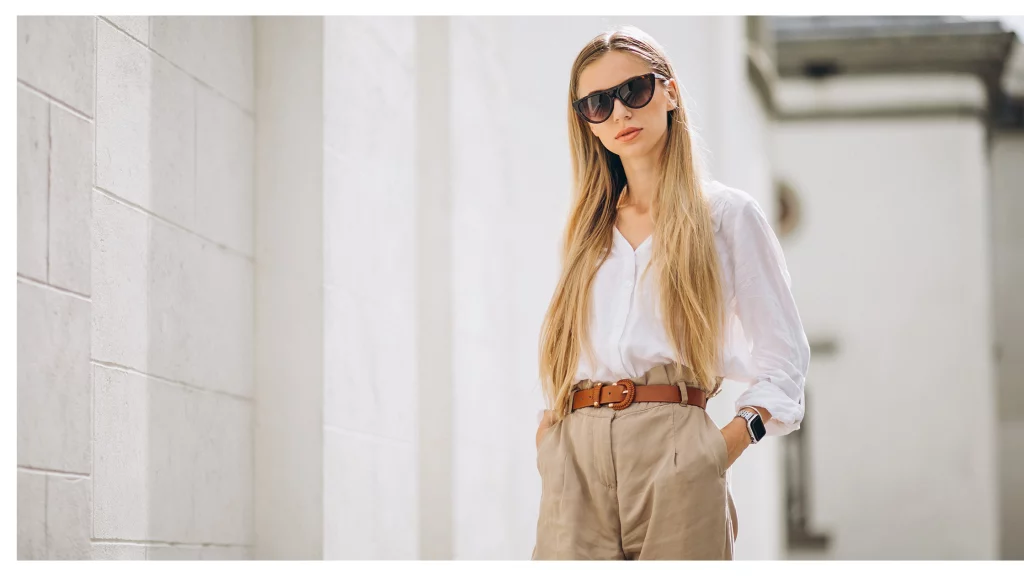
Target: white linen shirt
<point>765,344</point>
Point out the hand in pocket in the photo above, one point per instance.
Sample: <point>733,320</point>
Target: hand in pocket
<point>546,421</point>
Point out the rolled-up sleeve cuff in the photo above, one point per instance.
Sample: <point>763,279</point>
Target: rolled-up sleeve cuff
<point>786,412</point>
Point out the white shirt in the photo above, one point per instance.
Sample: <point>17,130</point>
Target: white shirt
<point>765,344</point>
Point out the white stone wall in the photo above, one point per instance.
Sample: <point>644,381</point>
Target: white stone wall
<point>135,287</point>
<point>369,195</point>
<point>893,259</point>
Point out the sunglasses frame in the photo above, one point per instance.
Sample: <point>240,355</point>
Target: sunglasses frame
<point>613,94</point>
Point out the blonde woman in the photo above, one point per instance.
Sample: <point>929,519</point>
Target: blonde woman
<point>669,283</point>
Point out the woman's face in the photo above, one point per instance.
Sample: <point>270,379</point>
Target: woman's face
<point>610,70</point>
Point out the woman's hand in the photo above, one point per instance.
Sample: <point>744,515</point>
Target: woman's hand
<point>546,421</point>
<point>736,438</point>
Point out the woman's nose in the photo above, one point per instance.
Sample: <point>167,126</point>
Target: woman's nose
<point>619,109</point>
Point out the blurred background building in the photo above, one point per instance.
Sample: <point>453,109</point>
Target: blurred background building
<point>280,279</point>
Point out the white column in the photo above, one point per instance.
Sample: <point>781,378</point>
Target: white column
<point>434,284</point>
<point>1007,167</point>
<point>289,327</point>
<point>371,307</point>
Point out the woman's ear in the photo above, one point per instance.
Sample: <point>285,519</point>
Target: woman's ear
<point>671,90</point>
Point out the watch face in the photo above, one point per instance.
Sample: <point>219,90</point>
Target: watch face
<point>758,427</point>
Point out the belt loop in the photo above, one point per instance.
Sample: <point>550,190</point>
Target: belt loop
<point>573,389</point>
<point>680,382</point>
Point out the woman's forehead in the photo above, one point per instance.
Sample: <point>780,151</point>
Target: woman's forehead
<point>610,70</point>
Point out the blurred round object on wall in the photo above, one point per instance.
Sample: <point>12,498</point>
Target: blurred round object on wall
<point>788,203</point>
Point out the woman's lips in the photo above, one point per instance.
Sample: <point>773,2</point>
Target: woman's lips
<point>630,136</point>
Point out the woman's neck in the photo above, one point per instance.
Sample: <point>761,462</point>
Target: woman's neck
<point>642,178</point>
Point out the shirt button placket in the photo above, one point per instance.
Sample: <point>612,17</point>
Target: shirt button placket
<point>629,270</point>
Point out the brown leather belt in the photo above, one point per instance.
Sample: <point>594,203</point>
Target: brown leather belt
<point>625,392</point>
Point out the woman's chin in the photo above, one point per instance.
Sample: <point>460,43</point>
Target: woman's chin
<point>631,151</point>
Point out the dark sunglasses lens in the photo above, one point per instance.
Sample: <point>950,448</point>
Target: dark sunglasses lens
<point>596,108</point>
<point>638,92</point>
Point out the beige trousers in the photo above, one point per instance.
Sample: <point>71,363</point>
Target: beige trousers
<point>644,483</point>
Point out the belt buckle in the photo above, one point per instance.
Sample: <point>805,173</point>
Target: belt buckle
<point>630,394</point>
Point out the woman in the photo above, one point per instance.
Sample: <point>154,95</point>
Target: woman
<point>631,465</point>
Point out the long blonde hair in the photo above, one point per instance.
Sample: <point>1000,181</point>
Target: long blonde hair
<point>683,241</point>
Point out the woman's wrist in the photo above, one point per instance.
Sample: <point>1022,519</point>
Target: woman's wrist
<point>741,424</point>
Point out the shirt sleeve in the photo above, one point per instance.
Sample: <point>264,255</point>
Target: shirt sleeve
<point>768,314</point>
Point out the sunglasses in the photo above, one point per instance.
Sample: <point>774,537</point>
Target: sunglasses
<point>634,93</point>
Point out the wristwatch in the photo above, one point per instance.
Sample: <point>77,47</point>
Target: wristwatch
<point>755,427</point>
